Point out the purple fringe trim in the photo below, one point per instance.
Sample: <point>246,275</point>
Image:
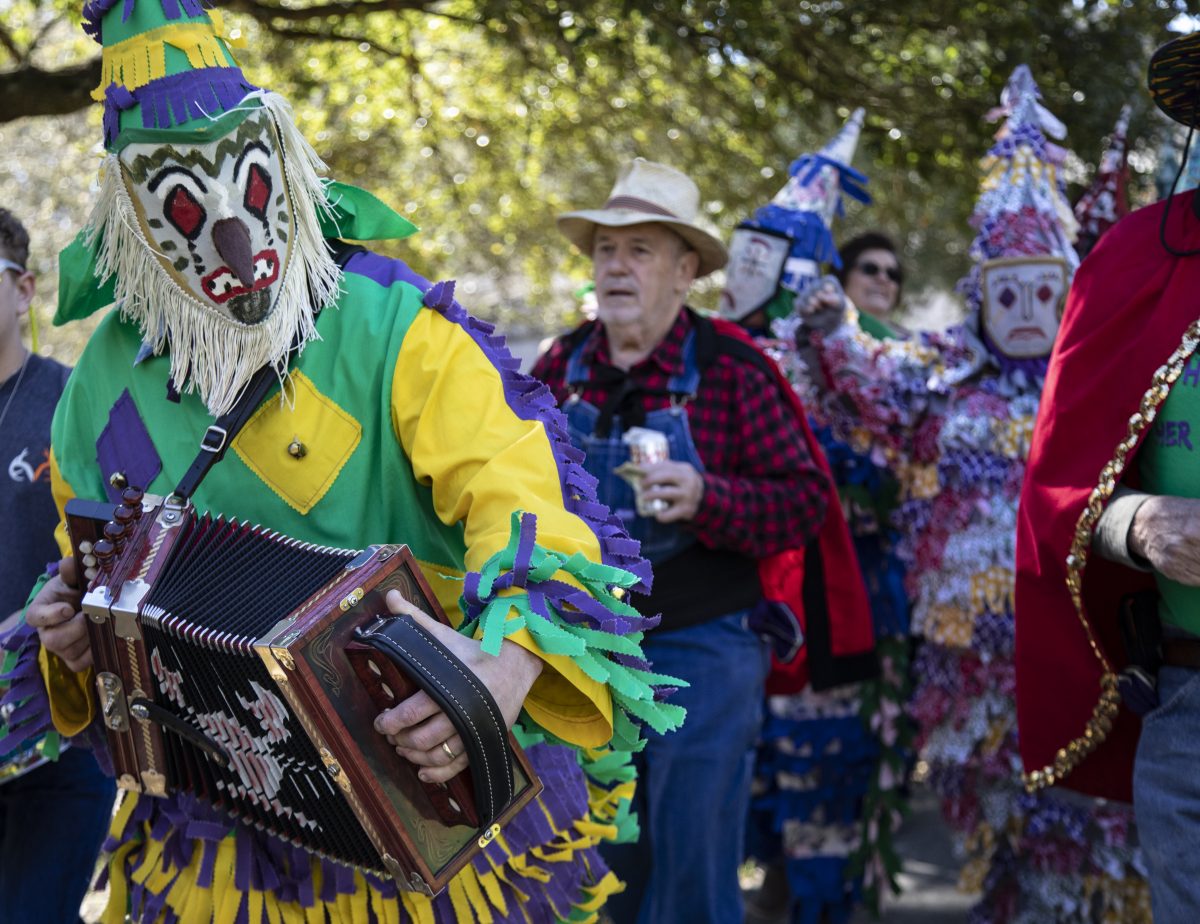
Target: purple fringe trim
<point>26,694</point>
<point>184,825</point>
<point>179,98</point>
<point>580,606</point>
<point>94,10</point>
<point>532,400</point>
<point>116,100</point>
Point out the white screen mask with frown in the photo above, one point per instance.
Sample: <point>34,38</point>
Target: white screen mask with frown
<point>1022,304</point>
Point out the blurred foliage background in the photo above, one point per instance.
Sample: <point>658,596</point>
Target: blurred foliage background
<point>483,119</point>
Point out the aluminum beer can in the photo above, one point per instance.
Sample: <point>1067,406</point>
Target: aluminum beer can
<point>645,448</point>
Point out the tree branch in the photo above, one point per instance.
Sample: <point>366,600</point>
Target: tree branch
<point>31,91</point>
<point>268,12</point>
<point>6,41</point>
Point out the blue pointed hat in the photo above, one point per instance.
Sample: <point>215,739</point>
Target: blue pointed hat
<point>805,207</point>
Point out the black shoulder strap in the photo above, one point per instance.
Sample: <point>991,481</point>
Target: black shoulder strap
<point>221,432</point>
<point>710,344</point>
<point>342,251</point>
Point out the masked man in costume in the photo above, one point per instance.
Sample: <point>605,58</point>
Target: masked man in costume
<point>953,414</point>
<point>1107,537</point>
<point>834,743</point>
<point>742,484</point>
<point>402,419</point>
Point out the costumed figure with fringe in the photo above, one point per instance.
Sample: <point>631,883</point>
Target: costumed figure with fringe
<point>954,413</point>
<point>835,745</point>
<point>1106,586</point>
<point>400,419</point>
<point>724,509</point>
<point>1106,201</point>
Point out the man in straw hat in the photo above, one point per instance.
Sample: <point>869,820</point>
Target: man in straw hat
<point>402,420</point>
<point>736,484</point>
<point>1108,543</point>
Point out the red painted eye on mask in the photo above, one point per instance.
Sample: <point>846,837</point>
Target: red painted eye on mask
<point>1045,293</point>
<point>184,212</point>
<point>258,191</point>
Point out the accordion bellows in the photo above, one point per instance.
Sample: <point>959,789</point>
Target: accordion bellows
<point>243,667</point>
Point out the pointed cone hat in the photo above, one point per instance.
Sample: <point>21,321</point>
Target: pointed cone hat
<point>1022,213</point>
<point>815,182</point>
<point>1105,202</point>
<point>167,72</point>
<point>795,226</point>
<point>1022,209</point>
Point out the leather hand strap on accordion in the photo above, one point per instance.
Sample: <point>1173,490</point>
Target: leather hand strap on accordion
<point>462,696</point>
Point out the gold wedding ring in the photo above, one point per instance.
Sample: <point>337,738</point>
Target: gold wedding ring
<point>446,748</point>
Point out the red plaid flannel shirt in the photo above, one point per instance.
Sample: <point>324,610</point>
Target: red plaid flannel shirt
<point>762,491</point>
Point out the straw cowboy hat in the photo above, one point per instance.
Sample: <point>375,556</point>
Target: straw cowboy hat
<point>649,192</point>
<point>1174,79</point>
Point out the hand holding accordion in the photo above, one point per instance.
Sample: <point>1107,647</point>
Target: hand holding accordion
<point>248,668</point>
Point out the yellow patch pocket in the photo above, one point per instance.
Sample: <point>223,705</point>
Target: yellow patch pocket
<point>299,451</point>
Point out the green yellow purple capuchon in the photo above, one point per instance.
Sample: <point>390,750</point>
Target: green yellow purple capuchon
<point>166,71</point>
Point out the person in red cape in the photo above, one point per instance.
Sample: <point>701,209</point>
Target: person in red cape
<point>1109,509</point>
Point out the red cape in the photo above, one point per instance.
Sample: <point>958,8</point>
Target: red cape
<point>822,582</point>
<point>1127,311</point>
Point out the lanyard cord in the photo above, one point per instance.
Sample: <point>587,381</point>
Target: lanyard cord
<point>1162,228</point>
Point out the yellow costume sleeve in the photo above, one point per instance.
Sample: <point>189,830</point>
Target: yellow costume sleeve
<point>72,705</point>
<point>484,462</point>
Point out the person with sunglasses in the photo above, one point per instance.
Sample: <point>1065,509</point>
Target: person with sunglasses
<point>872,278</point>
<point>952,413</point>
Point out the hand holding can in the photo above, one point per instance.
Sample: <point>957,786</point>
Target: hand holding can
<point>645,448</point>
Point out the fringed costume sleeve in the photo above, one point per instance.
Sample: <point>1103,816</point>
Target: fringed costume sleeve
<point>555,581</point>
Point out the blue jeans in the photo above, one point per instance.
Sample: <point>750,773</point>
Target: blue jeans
<point>52,823</point>
<point>694,784</point>
<point>1166,796</point>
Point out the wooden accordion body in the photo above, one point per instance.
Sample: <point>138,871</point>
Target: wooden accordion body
<point>227,666</point>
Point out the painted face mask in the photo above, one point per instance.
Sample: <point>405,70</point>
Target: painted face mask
<point>217,249</point>
<point>218,215</point>
<point>1022,304</point>
<point>756,263</point>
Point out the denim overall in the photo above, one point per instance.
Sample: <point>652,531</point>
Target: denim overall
<point>694,784</point>
<point>605,453</point>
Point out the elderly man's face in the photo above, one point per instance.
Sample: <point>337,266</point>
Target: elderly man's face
<point>643,273</point>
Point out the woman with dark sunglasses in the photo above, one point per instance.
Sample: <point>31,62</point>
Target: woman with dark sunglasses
<point>871,277</point>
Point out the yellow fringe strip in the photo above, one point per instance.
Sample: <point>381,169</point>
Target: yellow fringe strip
<point>598,894</point>
<point>474,896</point>
<point>136,61</point>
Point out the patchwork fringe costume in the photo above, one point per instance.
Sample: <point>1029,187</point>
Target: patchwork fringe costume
<point>953,414</point>
<point>833,754</point>
<point>402,420</point>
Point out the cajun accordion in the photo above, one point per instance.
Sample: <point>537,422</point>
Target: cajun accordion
<point>247,668</point>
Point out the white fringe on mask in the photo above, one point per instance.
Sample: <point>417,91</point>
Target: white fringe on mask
<point>211,353</point>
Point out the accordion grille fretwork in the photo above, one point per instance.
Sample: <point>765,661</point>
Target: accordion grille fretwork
<point>224,587</point>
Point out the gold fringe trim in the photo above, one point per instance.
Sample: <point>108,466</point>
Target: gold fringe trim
<point>1104,713</point>
<point>136,61</point>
